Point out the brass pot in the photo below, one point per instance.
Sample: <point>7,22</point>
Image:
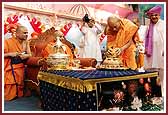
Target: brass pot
<point>58,61</point>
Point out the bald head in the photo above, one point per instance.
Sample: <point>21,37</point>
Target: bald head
<point>21,33</point>
<point>113,19</point>
<point>114,23</point>
<point>21,28</point>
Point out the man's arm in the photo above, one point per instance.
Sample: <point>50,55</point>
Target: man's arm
<point>120,50</point>
<point>99,28</point>
<point>11,54</point>
<point>128,44</point>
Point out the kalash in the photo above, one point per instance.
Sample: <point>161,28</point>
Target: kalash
<point>112,60</point>
<point>58,60</point>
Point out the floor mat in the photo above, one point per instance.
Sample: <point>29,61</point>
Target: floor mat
<point>23,104</point>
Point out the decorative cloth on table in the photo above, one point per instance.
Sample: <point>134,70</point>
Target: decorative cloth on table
<point>85,80</point>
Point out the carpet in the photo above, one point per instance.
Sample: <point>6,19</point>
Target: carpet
<point>31,103</point>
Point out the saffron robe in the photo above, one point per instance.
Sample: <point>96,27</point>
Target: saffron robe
<point>124,35</point>
<point>10,88</point>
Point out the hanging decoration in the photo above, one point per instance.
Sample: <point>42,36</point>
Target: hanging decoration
<point>10,22</point>
<point>31,24</point>
<point>66,28</point>
<point>36,25</point>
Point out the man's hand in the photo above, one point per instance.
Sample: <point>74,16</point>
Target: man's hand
<point>13,54</point>
<point>24,55</point>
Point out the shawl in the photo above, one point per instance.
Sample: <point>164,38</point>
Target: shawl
<point>149,40</point>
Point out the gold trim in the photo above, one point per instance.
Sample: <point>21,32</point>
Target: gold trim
<point>85,85</point>
<point>65,82</point>
<point>146,75</point>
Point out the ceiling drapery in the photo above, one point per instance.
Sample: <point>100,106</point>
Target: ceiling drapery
<point>113,8</point>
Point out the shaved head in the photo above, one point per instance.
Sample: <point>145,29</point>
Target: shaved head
<point>114,23</point>
<point>20,28</point>
<point>21,33</point>
<point>113,19</point>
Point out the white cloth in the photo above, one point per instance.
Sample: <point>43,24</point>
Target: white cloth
<point>91,46</point>
<point>142,32</point>
<point>157,59</point>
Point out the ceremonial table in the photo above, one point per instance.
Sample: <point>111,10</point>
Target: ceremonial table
<point>80,90</point>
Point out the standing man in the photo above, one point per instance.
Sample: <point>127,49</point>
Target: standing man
<point>154,42</point>
<point>91,48</point>
<point>120,33</point>
<point>16,50</point>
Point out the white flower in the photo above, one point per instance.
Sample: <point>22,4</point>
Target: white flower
<point>136,103</point>
<point>157,100</point>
